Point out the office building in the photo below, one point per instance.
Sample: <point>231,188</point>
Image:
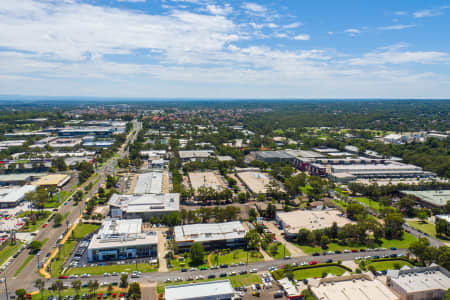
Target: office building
<point>143,206</point>
<point>12,196</point>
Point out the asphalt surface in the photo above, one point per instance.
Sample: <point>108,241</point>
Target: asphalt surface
<point>29,274</point>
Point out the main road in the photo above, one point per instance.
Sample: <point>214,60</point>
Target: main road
<point>28,275</point>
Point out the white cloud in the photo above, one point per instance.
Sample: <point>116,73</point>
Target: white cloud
<point>219,10</point>
<point>302,37</point>
<point>430,12</point>
<point>330,32</point>
<point>255,8</point>
<point>400,13</point>
<point>134,1</point>
<point>352,31</point>
<point>293,25</point>
<point>397,27</point>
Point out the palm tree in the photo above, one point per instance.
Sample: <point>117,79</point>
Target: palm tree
<point>40,285</point>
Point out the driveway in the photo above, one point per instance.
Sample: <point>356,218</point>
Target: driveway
<point>294,250</point>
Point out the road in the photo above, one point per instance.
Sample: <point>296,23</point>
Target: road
<point>30,272</point>
<point>433,242</point>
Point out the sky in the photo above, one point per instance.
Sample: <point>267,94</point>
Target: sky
<point>225,49</point>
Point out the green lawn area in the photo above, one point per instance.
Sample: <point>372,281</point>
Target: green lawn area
<point>70,292</point>
<point>9,251</point>
<point>40,220</point>
<point>79,232</point>
<point>100,270</point>
<point>407,240</point>
<point>301,274</point>
<point>426,227</point>
<point>305,188</point>
<point>281,251</point>
<point>236,281</point>
<point>30,257</point>
<point>54,201</point>
<point>178,264</point>
<point>388,264</point>
<point>372,204</point>
<point>339,203</point>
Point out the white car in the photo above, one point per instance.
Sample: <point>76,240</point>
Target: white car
<point>253,270</point>
<point>106,274</point>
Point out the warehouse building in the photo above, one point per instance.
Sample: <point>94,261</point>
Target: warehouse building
<point>143,206</point>
<point>293,221</point>
<point>195,155</point>
<point>432,198</point>
<point>79,132</point>
<point>122,239</point>
<point>149,183</point>
<point>18,179</point>
<point>255,181</point>
<point>210,290</point>
<point>65,143</point>
<point>12,196</point>
<point>273,156</point>
<point>211,236</point>
<point>56,180</point>
<point>419,283</point>
<point>350,287</point>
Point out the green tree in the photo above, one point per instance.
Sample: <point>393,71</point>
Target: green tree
<point>441,227</point>
<point>420,249</point>
<point>57,219</point>
<point>196,254</point>
<point>134,291</point>
<point>35,246</point>
<point>123,281</point>
<point>21,294</point>
<point>40,285</point>
<point>76,285</point>
<point>273,249</point>
<point>393,226</point>
<point>252,240</point>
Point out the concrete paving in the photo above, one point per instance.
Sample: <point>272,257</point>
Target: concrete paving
<point>294,250</point>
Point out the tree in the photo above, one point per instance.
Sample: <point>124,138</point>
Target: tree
<point>76,285</point>
<point>57,219</point>
<point>21,294</point>
<point>420,248</point>
<point>422,215</point>
<point>441,227</point>
<point>59,286</point>
<point>134,291</point>
<point>354,209</point>
<point>252,240</point>
<point>196,254</point>
<point>304,236</point>
<point>40,285</point>
<point>406,205</point>
<point>59,164</point>
<point>35,246</point>
<point>123,281</point>
<point>273,250</point>
<point>393,226</point>
<point>324,240</point>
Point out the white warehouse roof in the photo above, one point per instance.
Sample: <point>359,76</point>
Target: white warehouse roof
<point>209,232</point>
<point>220,289</point>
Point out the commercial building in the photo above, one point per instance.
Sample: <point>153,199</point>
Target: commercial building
<point>65,143</point>
<point>293,221</point>
<point>255,181</point>
<point>149,183</point>
<point>12,143</point>
<point>122,239</point>
<point>432,198</point>
<point>83,131</point>
<point>419,283</point>
<point>273,156</point>
<point>12,196</point>
<point>350,287</point>
<point>211,236</point>
<point>195,155</point>
<point>225,158</point>
<point>57,180</point>
<point>143,206</point>
<point>19,179</point>
<point>205,179</point>
<point>153,154</point>
<point>99,144</point>
<point>210,290</point>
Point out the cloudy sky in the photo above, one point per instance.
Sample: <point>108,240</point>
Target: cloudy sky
<point>225,49</point>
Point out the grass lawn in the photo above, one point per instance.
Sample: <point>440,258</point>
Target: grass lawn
<point>280,251</point>
<point>9,251</point>
<point>30,257</point>
<point>54,201</point>
<point>238,255</point>
<point>426,227</point>
<point>186,263</point>
<point>388,264</point>
<point>317,272</point>
<point>79,232</point>
<point>369,203</point>
<point>100,270</point>
<point>407,240</point>
<point>339,203</point>
<point>305,188</point>
<point>40,220</point>
<point>236,281</point>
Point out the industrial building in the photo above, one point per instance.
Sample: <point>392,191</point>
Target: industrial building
<point>210,290</point>
<point>18,179</point>
<point>293,221</point>
<point>195,155</point>
<point>419,283</point>
<point>65,143</point>
<point>83,131</point>
<point>273,156</point>
<point>12,196</point>
<point>350,287</point>
<point>149,183</point>
<point>122,239</point>
<point>143,206</point>
<point>211,236</point>
<point>255,181</point>
<point>57,180</point>
<point>432,198</point>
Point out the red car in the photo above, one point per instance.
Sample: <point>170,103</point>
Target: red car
<point>354,250</point>
<point>63,277</point>
<point>45,225</point>
<point>313,262</point>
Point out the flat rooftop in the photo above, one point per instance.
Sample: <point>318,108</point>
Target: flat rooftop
<point>433,197</point>
<point>202,290</point>
<point>206,179</point>
<point>146,203</point>
<point>354,289</point>
<point>255,181</point>
<point>52,179</point>
<point>149,183</point>
<point>15,194</point>
<point>274,154</point>
<point>304,153</point>
<point>195,153</point>
<point>421,279</point>
<point>209,232</point>
<point>311,219</point>
<point>19,177</point>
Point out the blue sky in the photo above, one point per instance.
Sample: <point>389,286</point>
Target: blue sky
<point>225,49</point>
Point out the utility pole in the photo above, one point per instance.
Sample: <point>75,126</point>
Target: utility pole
<point>6,287</point>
